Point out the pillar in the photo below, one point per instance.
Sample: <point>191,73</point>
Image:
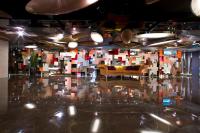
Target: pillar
<point>4,59</point>
<point>195,77</point>
<point>3,95</point>
<point>3,76</point>
<point>4,51</point>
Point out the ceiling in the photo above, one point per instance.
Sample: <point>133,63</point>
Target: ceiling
<point>109,17</point>
<point>132,9</point>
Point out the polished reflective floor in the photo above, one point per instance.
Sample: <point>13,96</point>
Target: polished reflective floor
<point>61,104</point>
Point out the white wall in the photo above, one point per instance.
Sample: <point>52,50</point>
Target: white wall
<point>4,59</point>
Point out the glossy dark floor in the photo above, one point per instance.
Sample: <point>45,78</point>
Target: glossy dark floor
<point>90,105</point>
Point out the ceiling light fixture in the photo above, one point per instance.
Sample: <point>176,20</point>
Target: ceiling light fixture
<point>195,6</point>
<point>20,33</point>
<point>154,35</point>
<point>74,28</point>
<point>72,44</point>
<point>57,37</point>
<point>164,42</point>
<point>91,1</point>
<point>19,28</point>
<point>96,37</point>
<point>31,46</point>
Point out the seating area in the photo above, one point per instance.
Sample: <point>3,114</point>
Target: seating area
<point>138,70</point>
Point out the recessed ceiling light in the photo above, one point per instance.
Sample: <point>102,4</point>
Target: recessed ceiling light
<point>72,44</point>
<point>154,35</point>
<point>96,37</point>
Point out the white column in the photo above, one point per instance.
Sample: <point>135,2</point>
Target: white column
<point>4,51</point>
<point>4,59</point>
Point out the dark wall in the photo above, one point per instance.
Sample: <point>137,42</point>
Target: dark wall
<point>196,77</point>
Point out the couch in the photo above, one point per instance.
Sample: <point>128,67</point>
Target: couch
<point>123,70</point>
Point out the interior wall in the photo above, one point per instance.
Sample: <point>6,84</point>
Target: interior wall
<point>195,77</point>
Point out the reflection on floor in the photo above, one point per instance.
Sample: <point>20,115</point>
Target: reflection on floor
<point>84,105</point>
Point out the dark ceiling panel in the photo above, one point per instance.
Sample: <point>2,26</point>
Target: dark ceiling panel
<point>133,9</point>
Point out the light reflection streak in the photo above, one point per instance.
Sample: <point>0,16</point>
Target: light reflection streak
<point>72,110</point>
<point>30,106</point>
<point>150,131</point>
<point>59,114</point>
<point>160,119</point>
<point>96,125</point>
